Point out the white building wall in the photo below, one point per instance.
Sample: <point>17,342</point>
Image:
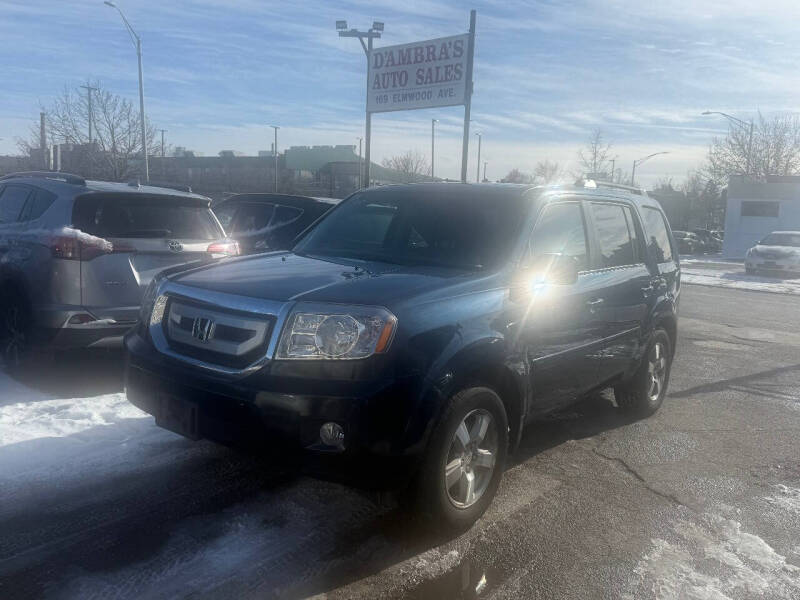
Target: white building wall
<point>742,233</point>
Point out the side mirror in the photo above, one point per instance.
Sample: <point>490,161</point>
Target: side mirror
<point>554,268</point>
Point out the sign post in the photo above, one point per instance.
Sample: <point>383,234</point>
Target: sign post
<point>427,74</point>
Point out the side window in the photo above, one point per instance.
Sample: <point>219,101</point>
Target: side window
<point>635,231</point>
<point>12,201</point>
<point>251,217</point>
<point>613,236</point>
<point>560,230</point>
<point>38,202</point>
<point>284,215</point>
<point>658,245</point>
<point>225,214</point>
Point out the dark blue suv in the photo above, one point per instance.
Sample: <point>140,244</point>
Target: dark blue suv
<point>416,329</point>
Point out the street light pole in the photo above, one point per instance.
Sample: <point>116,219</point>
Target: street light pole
<point>360,176</point>
<point>478,176</point>
<point>89,89</point>
<point>639,161</point>
<point>744,125</point>
<point>369,35</point>
<point>137,42</point>
<point>484,169</point>
<point>275,127</point>
<point>162,142</point>
<point>433,154</point>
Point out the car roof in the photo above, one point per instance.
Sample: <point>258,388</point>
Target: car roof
<point>65,184</point>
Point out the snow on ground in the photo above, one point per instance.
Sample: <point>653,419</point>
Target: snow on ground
<point>731,276</point>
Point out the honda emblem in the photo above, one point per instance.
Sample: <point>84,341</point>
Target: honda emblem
<point>203,329</point>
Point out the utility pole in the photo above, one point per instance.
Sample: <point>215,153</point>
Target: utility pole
<point>613,162</point>
<point>275,127</point>
<point>478,176</point>
<point>484,169</point>
<point>433,125</point>
<point>639,161</point>
<point>162,142</point>
<point>360,174</point>
<point>163,154</point>
<point>89,89</point>
<point>43,141</point>
<point>369,35</point>
<point>468,93</point>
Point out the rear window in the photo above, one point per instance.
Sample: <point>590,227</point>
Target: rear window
<point>38,202</point>
<point>251,217</point>
<point>782,239</point>
<point>145,217</point>
<point>657,235</point>
<point>12,200</point>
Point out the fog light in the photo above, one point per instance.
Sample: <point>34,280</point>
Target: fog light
<point>332,434</point>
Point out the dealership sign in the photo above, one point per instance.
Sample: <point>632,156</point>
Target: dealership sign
<point>419,75</point>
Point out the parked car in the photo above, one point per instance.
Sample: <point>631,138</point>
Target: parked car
<point>414,331</point>
<point>262,222</point>
<point>779,252</point>
<point>711,243</point>
<point>688,243</point>
<point>76,255</point>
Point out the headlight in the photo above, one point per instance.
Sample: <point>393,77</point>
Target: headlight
<point>148,299</point>
<point>752,252</point>
<point>336,332</point>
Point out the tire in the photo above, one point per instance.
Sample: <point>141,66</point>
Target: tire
<point>449,508</point>
<point>639,396</point>
<point>15,330</point>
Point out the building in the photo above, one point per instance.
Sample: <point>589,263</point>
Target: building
<point>756,208</point>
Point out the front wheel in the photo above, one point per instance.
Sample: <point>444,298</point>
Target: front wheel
<point>465,459</point>
<point>15,330</point>
<point>645,392</point>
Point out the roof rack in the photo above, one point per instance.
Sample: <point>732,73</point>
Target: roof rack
<point>595,183</point>
<point>167,186</point>
<point>66,177</point>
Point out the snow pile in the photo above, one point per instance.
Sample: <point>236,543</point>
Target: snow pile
<point>716,560</point>
<point>787,498</point>
<point>48,236</point>
<point>728,278</point>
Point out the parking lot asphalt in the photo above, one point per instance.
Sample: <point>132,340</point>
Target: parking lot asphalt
<point>701,500</point>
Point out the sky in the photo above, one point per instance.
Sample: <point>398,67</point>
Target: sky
<point>217,73</point>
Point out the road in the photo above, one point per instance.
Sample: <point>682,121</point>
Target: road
<point>702,500</point>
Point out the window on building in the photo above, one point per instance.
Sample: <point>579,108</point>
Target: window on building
<point>752,208</point>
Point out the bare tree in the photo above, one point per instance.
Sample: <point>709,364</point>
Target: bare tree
<point>517,176</point>
<point>596,156</point>
<point>412,163</point>
<point>116,147</point>
<point>547,172</point>
<point>774,150</point>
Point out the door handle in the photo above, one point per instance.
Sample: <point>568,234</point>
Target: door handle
<point>594,303</point>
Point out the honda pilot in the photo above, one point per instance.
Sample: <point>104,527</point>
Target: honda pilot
<point>77,255</point>
<point>415,330</point>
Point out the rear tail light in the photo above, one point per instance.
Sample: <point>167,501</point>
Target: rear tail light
<point>226,247</point>
<point>71,248</point>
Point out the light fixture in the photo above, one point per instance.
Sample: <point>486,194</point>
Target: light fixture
<point>377,25</point>
<point>339,24</point>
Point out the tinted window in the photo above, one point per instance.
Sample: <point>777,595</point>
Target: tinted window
<point>285,215</point>
<point>225,214</point>
<point>760,209</point>
<point>38,202</point>
<point>143,217</point>
<point>461,231</point>
<point>613,236</point>
<point>251,217</point>
<point>782,239</point>
<point>560,230</point>
<point>635,231</point>
<point>12,201</point>
<point>658,245</point>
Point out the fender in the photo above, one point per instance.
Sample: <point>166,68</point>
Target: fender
<point>485,360</point>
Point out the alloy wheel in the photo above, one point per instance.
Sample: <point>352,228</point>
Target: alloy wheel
<point>657,371</point>
<point>471,458</point>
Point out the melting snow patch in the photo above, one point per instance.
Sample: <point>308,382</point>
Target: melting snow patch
<point>716,560</point>
<point>739,280</point>
<point>787,498</point>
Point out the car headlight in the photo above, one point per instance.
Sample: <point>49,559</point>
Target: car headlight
<point>152,307</point>
<point>751,252</point>
<point>336,332</point>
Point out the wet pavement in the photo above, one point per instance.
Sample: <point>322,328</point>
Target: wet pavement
<point>701,500</point>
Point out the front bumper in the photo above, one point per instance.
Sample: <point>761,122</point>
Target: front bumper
<point>263,410</point>
<point>772,265</point>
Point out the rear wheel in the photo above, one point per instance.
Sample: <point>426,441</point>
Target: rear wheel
<point>465,459</point>
<point>645,392</point>
<point>15,329</point>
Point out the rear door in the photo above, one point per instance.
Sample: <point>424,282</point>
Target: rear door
<point>623,275</point>
<point>148,234</point>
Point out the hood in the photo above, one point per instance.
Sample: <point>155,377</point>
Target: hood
<point>777,251</point>
<point>286,276</point>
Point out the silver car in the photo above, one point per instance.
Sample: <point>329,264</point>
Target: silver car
<point>76,255</point>
<point>779,252</point>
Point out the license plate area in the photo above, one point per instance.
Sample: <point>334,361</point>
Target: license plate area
<point>178,415</point>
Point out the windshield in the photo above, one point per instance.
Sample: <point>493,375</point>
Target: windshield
<point>782,239</point>
<point>420,229</point>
